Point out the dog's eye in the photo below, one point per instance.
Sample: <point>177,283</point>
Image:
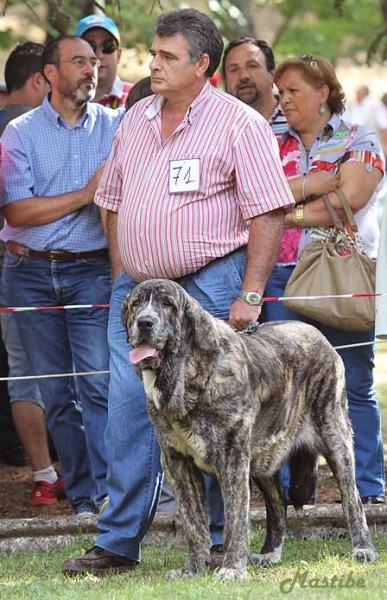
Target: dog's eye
<point>135,302</point>
<point>166,301</point>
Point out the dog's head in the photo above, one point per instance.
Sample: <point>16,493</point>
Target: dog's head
<point>161,319</point>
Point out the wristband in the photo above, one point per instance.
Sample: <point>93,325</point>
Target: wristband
<point>303,187</point>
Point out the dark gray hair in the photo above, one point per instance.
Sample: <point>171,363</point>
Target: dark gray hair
<point>200,32</point>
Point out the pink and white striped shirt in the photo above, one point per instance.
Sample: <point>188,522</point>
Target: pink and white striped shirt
<point>188,201</point>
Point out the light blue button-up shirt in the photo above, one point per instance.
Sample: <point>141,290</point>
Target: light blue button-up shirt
<point>43,156</point>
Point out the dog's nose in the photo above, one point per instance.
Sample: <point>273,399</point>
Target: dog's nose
<point>145,323</point>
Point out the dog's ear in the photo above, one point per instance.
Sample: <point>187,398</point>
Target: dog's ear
<point>201,326</point>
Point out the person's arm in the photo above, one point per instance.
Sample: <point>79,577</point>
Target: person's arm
<point>40,210</point>
<point>114,253</point>
<point>314,184</point>
<point>262,251</point>
<point>358,182</point>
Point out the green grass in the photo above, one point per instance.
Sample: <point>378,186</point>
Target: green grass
<point>38,576</point>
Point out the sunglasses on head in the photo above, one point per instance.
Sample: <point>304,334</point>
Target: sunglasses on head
<point>308,59</point>
<point>106,47</point>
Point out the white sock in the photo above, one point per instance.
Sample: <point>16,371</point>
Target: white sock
<point>48,474</point>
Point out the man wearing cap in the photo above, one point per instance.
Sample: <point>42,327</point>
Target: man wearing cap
<point>103,36</point>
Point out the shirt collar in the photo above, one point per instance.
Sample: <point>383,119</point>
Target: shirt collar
<point>117,89</point>
<point>325,134</point>
<point>205,93</point>
<point>55,117</point>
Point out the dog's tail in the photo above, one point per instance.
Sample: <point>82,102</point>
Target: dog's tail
<point>303,466</point>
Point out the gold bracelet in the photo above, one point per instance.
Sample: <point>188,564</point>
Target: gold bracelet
<point>303,187</point>
<point>300,214</point>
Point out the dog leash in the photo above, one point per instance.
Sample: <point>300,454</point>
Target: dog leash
<point>252,328</point>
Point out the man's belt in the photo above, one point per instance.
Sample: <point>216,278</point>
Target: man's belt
<point>53,255</point>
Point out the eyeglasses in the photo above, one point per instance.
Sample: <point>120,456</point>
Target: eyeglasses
<point>80,62</point>
<point>106,47</point>
<point>307,58</point>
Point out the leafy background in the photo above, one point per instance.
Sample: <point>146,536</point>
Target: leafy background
<point>334,28</point>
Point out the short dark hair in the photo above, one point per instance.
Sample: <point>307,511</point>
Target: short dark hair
<point>261,44</point>
<point>51,54</point>
<point>24,60</point>
<point>199,30</point>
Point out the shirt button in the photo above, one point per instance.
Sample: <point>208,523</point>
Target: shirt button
<point>142,235</point>
<point>147,263</point>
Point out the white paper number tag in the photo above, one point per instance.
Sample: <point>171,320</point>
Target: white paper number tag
<point>184,175</point>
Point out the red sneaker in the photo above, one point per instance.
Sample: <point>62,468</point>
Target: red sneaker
<point>45,493</point>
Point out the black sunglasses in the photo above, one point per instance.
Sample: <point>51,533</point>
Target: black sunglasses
<point>106,47</point>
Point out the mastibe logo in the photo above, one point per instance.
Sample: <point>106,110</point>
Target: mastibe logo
<point>303,579</point>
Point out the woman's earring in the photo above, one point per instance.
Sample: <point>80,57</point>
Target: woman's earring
<point>322,110</point>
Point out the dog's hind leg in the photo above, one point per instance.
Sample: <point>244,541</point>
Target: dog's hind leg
<point>275,503</point>
<point>187,483</point>
<point>303,466</point>
<point>340,458</point>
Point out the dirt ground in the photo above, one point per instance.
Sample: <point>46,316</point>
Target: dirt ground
<point>16,484</point>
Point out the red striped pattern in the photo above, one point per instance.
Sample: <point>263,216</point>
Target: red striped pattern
<point>170,235</point>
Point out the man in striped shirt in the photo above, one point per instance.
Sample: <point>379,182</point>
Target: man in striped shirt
<point>195,192</point>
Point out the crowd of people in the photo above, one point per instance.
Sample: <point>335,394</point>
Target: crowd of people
<point>105,184</point>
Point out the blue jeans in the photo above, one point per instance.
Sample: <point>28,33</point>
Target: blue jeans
<point>26,390</point>
<point>134,472</point>
<point>362,401</point>
<point>67,341</point>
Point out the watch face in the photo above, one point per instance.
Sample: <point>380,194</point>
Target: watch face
<point>253,299</point>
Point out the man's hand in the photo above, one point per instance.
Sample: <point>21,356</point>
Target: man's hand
<point>242,314</point>
<point>92,185</point>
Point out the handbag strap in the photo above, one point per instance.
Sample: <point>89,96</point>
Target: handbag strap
<point>332,211</point>
<point>347,209</point>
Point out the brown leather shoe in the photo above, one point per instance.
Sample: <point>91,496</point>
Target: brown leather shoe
<point>98,561</point>
<point>216,555</point>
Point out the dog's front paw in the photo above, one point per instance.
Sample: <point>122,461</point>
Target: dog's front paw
<point>363,555</point>
<point>265,560</point>
<point>230,574</point>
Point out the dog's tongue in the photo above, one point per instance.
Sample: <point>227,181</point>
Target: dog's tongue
<point>142,351</point>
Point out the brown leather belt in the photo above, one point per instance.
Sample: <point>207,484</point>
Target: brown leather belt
<point>53,255</point>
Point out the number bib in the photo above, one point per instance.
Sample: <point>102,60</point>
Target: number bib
<point>184,175</point>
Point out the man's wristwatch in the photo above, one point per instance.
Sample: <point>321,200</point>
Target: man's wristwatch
<point>251,298</point>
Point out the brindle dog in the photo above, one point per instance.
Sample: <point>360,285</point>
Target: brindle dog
<point>239,405</point>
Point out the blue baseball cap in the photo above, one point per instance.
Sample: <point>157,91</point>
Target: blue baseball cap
<point>98,21</point>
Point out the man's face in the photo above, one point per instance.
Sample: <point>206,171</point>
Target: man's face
<point>247,77</point>
<point>171,70</point>
<point>76,72</point>
<point>103,43</point>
